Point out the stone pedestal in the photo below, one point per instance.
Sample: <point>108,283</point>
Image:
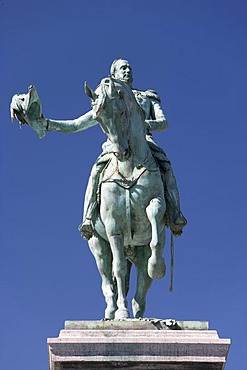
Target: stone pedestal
<point>137,344</point>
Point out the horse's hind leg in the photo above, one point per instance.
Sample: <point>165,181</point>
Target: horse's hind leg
<point>143,281</point>
<point>156,263</point>
<point>103,257</point>
<point>127,277</point>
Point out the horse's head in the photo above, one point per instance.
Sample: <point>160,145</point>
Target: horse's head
<point>110,106</point>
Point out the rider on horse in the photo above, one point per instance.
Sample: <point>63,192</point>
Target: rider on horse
<point>27,109</point>
<point>155,120</point>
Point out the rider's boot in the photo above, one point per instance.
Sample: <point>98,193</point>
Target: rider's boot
<point>86,228</point>
<point>176,219</point>
<point>178,223</point>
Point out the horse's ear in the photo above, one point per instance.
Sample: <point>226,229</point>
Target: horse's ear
<point>89,91</point>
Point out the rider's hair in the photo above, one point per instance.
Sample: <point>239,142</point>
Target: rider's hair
<point>114,65</point>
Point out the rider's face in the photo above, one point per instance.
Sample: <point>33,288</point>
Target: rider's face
<point>124,72</point>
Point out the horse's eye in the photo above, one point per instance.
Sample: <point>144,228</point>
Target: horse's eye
<point>120,94</point>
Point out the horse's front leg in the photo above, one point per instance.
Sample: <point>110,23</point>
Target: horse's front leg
<point>103,257</point>
<point>119,267</point>
<point>155,212</point>
<point>143,280</point>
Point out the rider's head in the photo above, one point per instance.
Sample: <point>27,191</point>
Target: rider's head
<point>121,70</point>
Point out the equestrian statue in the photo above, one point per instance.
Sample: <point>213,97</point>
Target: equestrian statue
<point>132,194</point>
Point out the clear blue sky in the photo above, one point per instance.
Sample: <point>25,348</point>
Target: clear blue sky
<point>194,54</point>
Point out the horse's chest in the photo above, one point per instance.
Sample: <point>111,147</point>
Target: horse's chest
<point>118,193</point>
<point>124,209</point>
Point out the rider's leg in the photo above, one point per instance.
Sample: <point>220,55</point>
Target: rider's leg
<point>90,202</point>
<point>176,219</point>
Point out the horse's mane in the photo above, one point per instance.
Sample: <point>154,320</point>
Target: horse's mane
<point>131,95</point>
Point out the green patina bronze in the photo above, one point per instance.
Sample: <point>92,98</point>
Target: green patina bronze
<point>132,193</point>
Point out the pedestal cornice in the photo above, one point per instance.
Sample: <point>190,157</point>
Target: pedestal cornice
<point>137,343</point>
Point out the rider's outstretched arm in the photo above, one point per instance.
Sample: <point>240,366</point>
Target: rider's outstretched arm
<point>78,124</point>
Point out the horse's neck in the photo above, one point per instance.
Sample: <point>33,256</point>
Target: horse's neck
<point>141,155</point>
<point>138,142</point>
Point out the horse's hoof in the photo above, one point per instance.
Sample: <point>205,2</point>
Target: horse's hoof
<point>138,310</point>
<point>156,269</point>
<point>109,314</point>
<point>122,313</point>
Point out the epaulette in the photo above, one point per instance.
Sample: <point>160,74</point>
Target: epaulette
<point>153,95</point>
